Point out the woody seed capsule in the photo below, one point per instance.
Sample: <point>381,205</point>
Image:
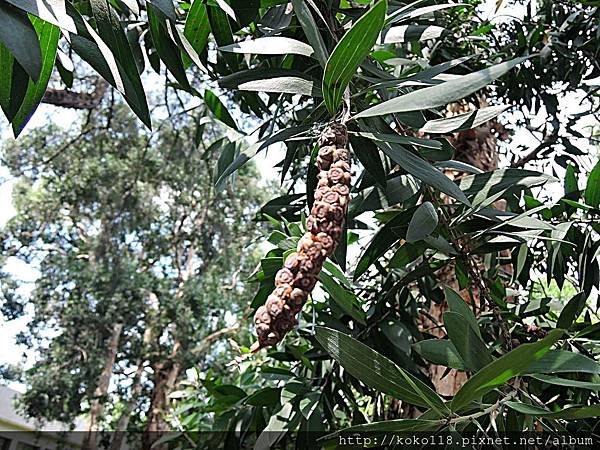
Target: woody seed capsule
<point>298,277</point>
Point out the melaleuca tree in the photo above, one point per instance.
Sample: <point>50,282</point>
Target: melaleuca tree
<point>139,255</point>
<point>423,209</point>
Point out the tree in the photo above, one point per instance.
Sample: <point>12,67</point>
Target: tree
<point>384,73</point>
<point>139,258</point>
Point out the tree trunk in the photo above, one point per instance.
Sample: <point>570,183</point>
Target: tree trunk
<point>477,147</point>
<point>123,423</point>
<point>97,404</point>
<point>165,376</point>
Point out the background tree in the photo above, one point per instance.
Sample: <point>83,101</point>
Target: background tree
<point>140,256</point>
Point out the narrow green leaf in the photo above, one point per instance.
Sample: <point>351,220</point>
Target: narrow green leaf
<point>270,45</point>
<point>592,188</point>
<point>110,31</point>
<point>470,347</point>
<point>13,83</point>
<point>311,30</point>
<point>18,35</point>
<point>218,109</point>
<point>391,232</point>
<point>575,412</point>
<point>368,154</point>
<point>560,361</point>
<point>48,35</point>
<point>375,370</point>
<point>165,7</point>
<point>423,222</point>
<point>349,53</point>
<point>221,29</point>
<point>92,49</point>
<point>421,169</point>
<point>571,311</point>
<point>441,352</point>
<point>485,185</point>
<point>495,374</point>
<point>441,94</point>
<point>463,122</point>
<point>165,47</point>
<point>251,150</point>
<point>458,305</point>
<point>399,139</point>
<point>344,298</point>
<point>197,26</point>
<point>567,382</point>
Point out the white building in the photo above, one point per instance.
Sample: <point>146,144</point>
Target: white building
<point>20,433</point>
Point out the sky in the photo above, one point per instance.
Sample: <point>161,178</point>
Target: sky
<point>12,353</point>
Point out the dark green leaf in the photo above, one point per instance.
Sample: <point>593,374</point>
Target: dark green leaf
<point>218,109</point>
<point>311,30</point>
<point>458,305</point>
<point>592,189</point>
<point>443,93</point>
<point>111,32</point>
<point>441,352</point>
<point>48,35</point>
<point>92,49</point>
<point>197,26</point>
<point>387,235</point>
<point>469,346</point>
<point>249,151</point>
<point>567,382</point>
<point>495,374</point>
<point>575,412</point>
<point>165,7</point>
<point>18,35</point>
<point>344,298</point>
<point>421,169</point>
<point>485,185</point>
<point>165,46</point>
<point>349,53</point>
<point>557,361</point>
<point>571,311</point>
<point>423,222</point>
<point>375,370</point>
<point>13,83</point>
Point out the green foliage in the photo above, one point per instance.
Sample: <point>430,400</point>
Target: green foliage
<point>427,193</point>
<point>123,225</point>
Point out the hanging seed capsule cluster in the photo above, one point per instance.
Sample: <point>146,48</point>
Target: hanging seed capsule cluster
<point>298,277</point>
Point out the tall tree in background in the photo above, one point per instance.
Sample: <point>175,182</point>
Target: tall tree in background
<point>139,254</point>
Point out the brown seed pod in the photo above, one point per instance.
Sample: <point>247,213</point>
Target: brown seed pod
<point>320,210</point>
<point>297,298</point>
<point>292,262</point>
<point>331,197</point>
<point>336,175</point>
<point>341,189</point>
<point>298,277</point>
<point>274,305</point>
<point>283,276</point>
